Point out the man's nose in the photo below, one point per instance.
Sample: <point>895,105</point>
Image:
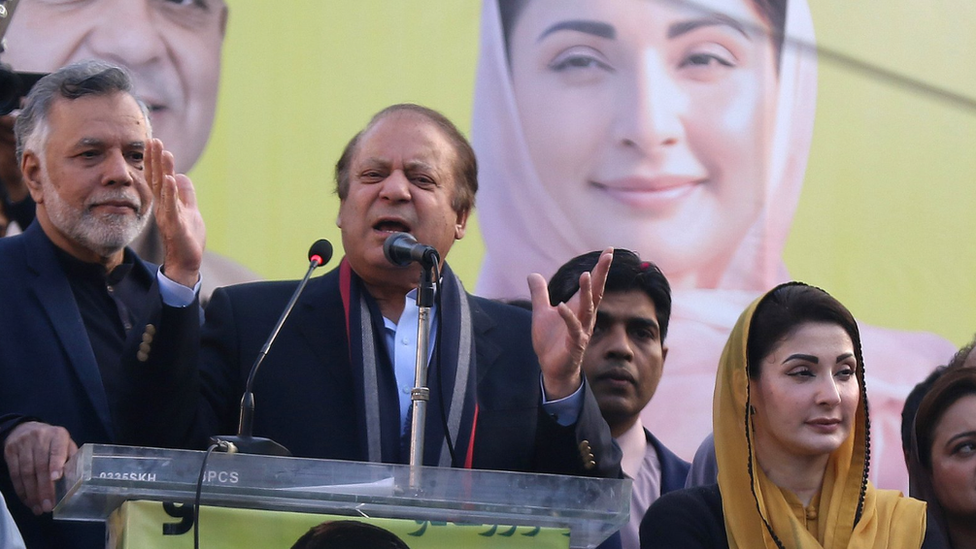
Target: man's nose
<point>618,344</point>
<point>395,187</point>
<point>117,170</point>
<point>128,32</point>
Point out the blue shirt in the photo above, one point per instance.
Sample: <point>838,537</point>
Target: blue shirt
<point>401,347</point>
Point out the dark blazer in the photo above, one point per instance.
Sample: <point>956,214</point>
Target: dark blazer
<point>674,470</point>
<point>685,519</point>
<point>309,396</point>
<point>694,519</point>
<point>48,370</point>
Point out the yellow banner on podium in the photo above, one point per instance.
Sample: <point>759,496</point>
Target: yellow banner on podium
<point>155,525</point>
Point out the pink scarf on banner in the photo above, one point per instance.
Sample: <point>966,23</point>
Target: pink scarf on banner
<point>526,231</point>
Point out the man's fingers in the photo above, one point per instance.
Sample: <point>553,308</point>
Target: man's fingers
<point>60,452</point>
<point>153,168</point>
<point>35,454</point>
<point>60,443</point>
<point>188,195</point>
<point>168,162</point>
<point>538,292</point>
<point>600,273</point>
<point>573,324</point>
<point>43,498</point>
<point>32,457</point>
<point>584,299</point>
<point>13,465</point>
<point>167,195</point>
<point>169,191</point>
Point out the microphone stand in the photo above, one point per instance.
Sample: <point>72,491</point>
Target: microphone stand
<point>244,442</point>
<point>420,394</point>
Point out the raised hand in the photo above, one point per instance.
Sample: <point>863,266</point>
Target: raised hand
<point>177,216</point>
<point>560,334</point>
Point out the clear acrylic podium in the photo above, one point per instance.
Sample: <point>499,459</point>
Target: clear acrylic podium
<point>99,478</point>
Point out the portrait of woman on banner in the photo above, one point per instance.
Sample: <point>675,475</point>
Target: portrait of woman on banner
<point>677,129</point>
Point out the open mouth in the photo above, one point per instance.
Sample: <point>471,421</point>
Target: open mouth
<point>391,226</point>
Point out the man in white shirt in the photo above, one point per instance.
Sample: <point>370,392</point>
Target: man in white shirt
<point>623,364</point>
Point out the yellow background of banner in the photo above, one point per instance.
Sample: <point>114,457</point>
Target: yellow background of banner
<point>886,219</point>
<point>885,222</point>
<point>138,525</point>
<point>297,84</point>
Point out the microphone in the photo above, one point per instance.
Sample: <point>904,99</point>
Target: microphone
<point>319,254</point>
<point>402,249</point>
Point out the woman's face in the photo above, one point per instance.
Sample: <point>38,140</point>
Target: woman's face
<point>649,123</point>
<point>806,396</point>
<point>954,458</point>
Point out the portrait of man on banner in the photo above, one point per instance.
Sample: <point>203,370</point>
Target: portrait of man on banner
<point>173,51</point>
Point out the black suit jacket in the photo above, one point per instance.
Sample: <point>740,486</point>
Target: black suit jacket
<point>308,394</point>
<point>48,370</point>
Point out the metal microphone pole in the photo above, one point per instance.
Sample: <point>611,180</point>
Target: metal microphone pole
<point>420,394</point>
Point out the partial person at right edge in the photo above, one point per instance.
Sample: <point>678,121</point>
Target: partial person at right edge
<point>792,441</point>
<point>623,364</point>
<point>941,453</point>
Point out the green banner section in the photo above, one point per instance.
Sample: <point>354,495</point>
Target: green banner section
<point>154,525</point>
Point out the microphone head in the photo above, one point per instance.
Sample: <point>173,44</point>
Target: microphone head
<point>393,246</point>
<point>320,252</point>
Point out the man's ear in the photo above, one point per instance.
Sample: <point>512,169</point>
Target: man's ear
<point>224,14</point>
<point>664,355</point>
<point>339,214</point>
<point>30,168</point>
<point>461,225</point>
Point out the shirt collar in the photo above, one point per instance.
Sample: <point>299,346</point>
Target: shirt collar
<point>633,445</point>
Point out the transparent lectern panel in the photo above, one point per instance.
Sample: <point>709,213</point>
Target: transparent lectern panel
<point>100,477</point>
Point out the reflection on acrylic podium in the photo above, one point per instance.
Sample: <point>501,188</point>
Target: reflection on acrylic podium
<point>264,494</point>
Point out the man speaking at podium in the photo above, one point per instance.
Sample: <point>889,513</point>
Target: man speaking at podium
<point>337,382</point>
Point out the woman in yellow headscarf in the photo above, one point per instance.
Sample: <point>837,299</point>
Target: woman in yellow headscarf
<point>792,441</point>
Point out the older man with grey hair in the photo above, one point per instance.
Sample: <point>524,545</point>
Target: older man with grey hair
<point>172,51</point>
<point>85,322</point>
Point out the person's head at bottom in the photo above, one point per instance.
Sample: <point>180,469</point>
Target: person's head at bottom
<point>348,534</point>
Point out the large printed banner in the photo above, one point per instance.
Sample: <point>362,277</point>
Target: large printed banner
<point>154,525</point>
<point>735,143</point>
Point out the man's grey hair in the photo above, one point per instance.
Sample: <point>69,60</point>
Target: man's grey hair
<point>76,80</point>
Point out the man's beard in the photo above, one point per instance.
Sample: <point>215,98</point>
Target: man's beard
<point>104,234</point>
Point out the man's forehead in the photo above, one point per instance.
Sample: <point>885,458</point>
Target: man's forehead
<point>405,135</point>
<point>94,115</point>
<point>626,306</point>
